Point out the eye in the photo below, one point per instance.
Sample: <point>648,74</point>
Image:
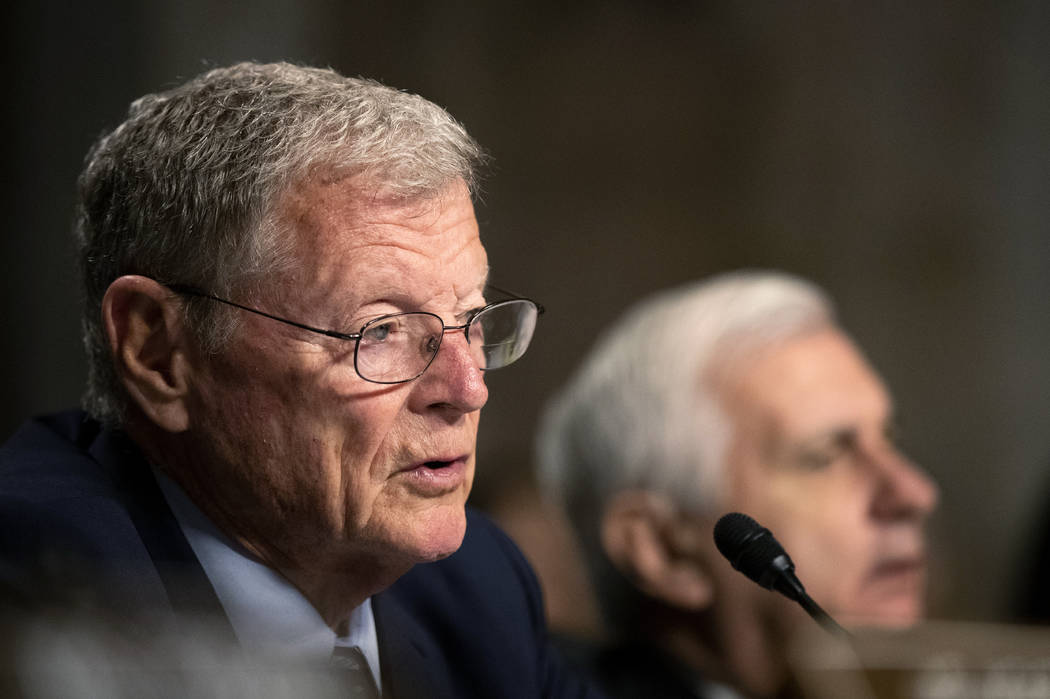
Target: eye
<point>379,331</point>
<point>828,451</point>
<point>817,460</point>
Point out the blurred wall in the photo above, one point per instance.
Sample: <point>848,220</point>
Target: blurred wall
<point>898,155</point>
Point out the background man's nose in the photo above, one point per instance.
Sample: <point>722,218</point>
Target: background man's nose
<point>904,489</point>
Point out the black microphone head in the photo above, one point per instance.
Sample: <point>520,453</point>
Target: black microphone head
<point>751,548</point>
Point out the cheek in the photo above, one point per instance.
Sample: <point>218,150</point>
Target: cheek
<point>833,552</point>
<point>831,557</point>
<point>819,519</point>
<point>315,426</point>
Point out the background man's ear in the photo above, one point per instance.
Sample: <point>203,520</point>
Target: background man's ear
<point>655,547</point>
<point>147,341</point>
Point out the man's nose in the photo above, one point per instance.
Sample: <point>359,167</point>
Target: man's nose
<point>454,380</point>
<point>904,489</point>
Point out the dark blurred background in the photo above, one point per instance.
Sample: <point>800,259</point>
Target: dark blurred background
<point>896,153</point>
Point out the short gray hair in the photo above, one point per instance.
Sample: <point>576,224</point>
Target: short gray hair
<point>640,412</point>
<point>185,189</point>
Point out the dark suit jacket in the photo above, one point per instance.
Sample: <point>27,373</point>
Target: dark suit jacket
<point>83,524</point>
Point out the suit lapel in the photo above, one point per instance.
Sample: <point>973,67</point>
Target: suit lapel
<point>187,586</point>
<point>409,657</point>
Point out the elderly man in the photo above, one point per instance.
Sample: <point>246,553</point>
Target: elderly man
<point>735,394</point>
<point>288,321</point>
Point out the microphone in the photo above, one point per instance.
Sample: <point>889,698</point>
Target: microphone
<point>752,549</point>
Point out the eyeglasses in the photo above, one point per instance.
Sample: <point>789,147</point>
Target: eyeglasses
<point>398,347</point>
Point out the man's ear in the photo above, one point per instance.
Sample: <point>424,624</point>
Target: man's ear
<point>648,540</point>
<point>147,342</point>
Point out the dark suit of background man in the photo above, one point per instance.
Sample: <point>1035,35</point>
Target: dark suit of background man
<point>288,320</point>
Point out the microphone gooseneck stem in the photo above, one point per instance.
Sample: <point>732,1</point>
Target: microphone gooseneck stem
<point>790,586</point>
<point>821,617</point>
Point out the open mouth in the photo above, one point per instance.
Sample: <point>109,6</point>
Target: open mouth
<point>437,477</point>
<point>900,576</point>
<point>899,565</point>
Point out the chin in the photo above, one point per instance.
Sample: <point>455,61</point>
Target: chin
<point>439,534</point>
<point>903,615</point>
<point>887,614</point>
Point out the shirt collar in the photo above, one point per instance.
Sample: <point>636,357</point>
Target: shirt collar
<point>268,614</point>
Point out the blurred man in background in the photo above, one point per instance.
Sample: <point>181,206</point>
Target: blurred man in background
<point>735,394</point>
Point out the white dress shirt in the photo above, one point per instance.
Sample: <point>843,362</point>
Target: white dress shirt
<point>268,614</point>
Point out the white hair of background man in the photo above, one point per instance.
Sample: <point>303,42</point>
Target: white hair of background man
<point>641,412</point>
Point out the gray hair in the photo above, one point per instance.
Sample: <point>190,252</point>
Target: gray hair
<point>185,190</point>
<point>641,413</point>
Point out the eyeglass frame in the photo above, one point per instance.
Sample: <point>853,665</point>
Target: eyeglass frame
<point>190,290</point>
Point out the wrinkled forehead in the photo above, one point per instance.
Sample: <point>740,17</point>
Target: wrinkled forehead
<point>346,229</point>
<point>811,382</point>
<point>329,197</point>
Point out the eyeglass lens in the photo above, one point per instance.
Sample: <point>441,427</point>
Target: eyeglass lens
<point>400,347</point>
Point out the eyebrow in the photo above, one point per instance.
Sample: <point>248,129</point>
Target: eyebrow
<point>844,435</point>
<point>480,288</point>
<point>837,436</point>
